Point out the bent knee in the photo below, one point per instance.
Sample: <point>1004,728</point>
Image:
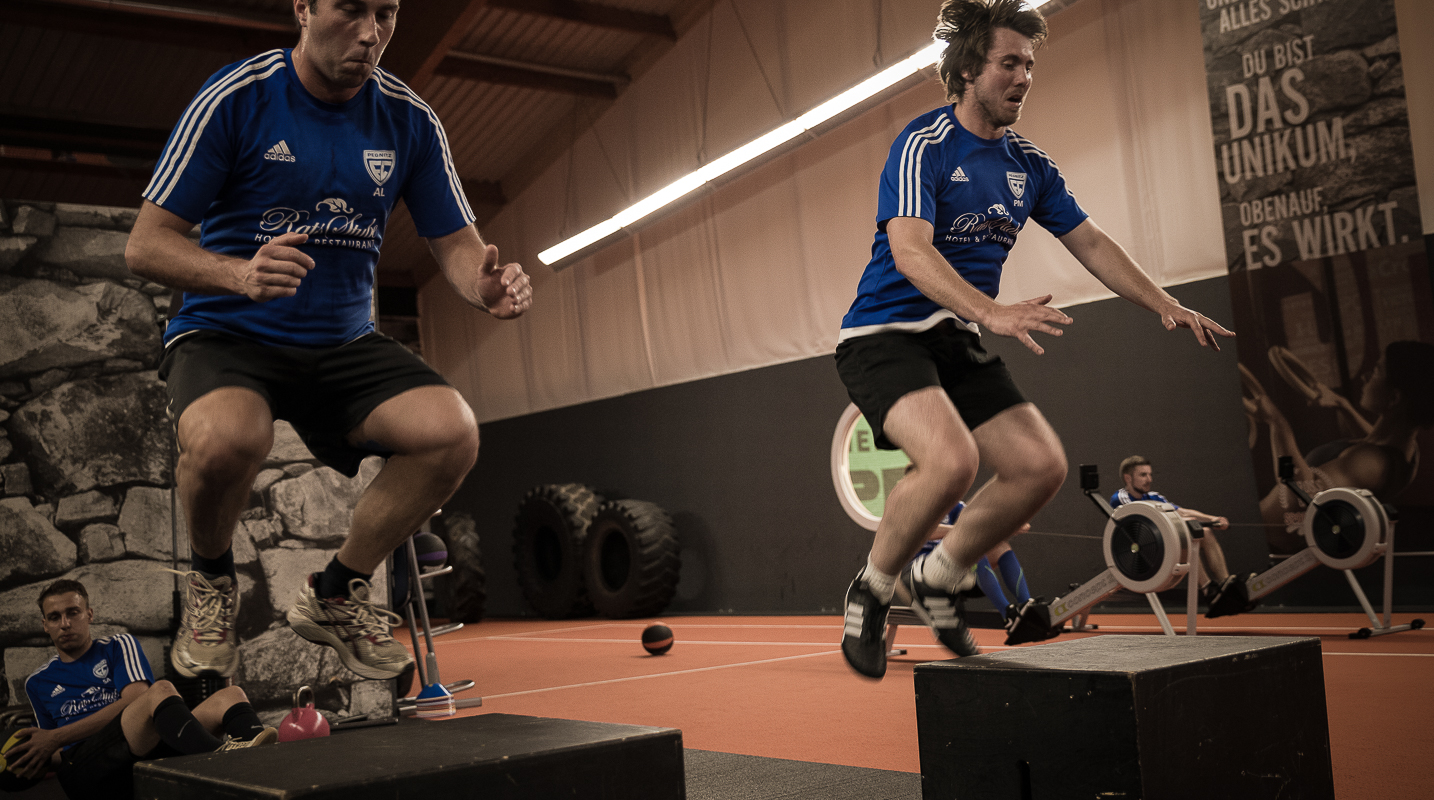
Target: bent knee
<point>219,451</point>
<point>232,694</point>
<point>459,445</point>
<point>1042,474</point>
<point>953,469</point>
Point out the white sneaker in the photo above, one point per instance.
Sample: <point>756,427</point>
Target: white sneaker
<point>356,628</point>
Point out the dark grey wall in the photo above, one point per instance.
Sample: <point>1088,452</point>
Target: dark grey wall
<point>742,462</point>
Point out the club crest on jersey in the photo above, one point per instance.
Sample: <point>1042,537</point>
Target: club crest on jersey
<point>379,164</point>
<point>102,669</point>
<point>1017,182</point>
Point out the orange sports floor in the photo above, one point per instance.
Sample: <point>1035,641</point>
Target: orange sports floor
<point>778,686</point>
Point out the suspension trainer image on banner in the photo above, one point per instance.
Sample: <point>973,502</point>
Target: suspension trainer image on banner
<point>1323,238</point>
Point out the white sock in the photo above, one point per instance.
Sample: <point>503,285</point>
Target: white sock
<point>880,584</point>
<point>940,571</point>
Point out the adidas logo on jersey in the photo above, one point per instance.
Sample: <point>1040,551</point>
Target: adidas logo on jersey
<point>280,152</point>
<point>959,176</point>
<point>59,690</point>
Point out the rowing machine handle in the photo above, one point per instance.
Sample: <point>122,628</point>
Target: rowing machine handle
<point>1286,470</point>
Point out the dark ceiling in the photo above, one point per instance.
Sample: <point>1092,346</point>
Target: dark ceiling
<point>89,89</point>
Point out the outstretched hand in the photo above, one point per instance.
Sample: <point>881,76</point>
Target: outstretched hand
<point>1181,317</point>
<point>1019,320</point>
<point>275,270</point>
<point>504,291</point>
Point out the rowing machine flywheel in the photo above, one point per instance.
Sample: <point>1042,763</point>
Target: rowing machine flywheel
<point>1147,545</point>
<point>1348,528</point>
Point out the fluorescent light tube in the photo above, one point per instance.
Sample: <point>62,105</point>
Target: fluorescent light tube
<point>694,180</point>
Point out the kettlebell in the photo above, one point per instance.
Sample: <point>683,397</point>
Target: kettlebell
<point>304,721</point>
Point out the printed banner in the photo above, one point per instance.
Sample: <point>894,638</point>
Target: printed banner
<point>1328,271</point>
<point>1311,128</point>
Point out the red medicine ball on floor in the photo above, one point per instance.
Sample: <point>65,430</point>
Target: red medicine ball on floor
<point>657,638</point>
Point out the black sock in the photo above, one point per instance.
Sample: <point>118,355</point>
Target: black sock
<point>214,567</point>
<point>180,730</point>
<point>334,580</point>
<point>241,723</point>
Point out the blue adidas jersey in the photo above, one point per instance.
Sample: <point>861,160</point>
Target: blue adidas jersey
<point>1123,496</point>
<point>977,194</point>
<point>256,156</point>
<point>62,693</point>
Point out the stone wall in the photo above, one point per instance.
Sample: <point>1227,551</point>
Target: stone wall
<point>85,470</point>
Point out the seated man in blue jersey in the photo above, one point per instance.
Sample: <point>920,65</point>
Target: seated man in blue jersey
<point>99,709</point>
<point>291,162</point>
<point>957,188</point>
<point>1139,476</point>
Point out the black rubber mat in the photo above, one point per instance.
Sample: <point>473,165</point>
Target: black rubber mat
<point>728,776</point>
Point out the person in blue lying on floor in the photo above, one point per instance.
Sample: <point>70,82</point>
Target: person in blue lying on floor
<point>1003,557</point>
<point>99,710</point>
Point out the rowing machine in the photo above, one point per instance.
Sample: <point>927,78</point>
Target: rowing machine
<point>1148,548</point>
<point>1344,529</point>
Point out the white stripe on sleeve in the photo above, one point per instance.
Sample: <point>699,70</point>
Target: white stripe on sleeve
<point>908,199</point>
<point>393,87</point>
<point>191,126</point>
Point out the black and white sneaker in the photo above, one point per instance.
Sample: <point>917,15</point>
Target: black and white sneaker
<point>1230,597</point>
<point>863,640</point>
<point>943,612</point>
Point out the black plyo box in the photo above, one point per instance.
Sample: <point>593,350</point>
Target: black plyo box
<point>502,756</point>
<point>1126,717</point>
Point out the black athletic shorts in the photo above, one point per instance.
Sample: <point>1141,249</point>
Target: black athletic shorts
<point>102,766</point>
<point>323,392</point>
<point>881,368</point>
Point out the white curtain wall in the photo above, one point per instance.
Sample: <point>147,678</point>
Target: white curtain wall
<point>760,271</point>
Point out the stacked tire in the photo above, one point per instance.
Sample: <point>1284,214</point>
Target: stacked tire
<point>575,554</point>
<point>631,561</point>
<point>465,590</point>
<point>548,538</point>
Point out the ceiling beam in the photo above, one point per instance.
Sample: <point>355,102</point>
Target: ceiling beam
<point>79,136</point>
<point>504,72</point>
<point>426,32</point>
<point>594,15</point>
<point>229,34</point>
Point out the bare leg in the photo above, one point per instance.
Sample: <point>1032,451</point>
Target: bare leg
<point>994,554</point>
<point>434,438</point>
<point>210,713</point>
<point>224,438</point>
<point>1030,466</point>
<point>943,454</point>
<point>137,719</point>
<point>1214,557</point>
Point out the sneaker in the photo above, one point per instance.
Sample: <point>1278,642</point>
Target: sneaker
<point>863,640</point>
<point>1011,615</point>
<point>943,612</point>
<point>206,644</point>
<point>266,736</point>
<point>1229,598</point>
<point>356,628</point>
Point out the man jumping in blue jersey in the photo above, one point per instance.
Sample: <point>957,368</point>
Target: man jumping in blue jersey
<point>957,188</point>
<point>100,711</point>
<point>291,162</point>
